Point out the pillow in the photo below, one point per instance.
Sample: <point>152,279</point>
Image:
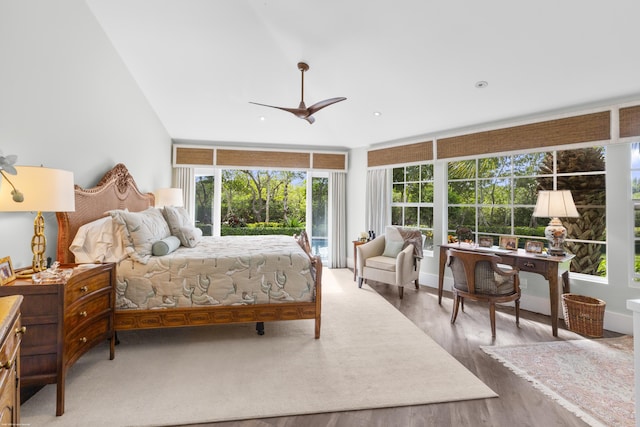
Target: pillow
<point>181,226</point>
<point>141,230</point>
<point>96,242</point>
<point>392,247</point>
<point>165,246</point>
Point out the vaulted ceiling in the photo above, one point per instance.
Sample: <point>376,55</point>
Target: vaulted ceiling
<point>415,62</point>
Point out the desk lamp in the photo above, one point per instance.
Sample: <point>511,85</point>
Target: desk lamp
<point>44,190</point>
<point>555,205</point>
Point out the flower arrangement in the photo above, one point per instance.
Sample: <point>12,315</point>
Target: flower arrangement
<point>6,167</point>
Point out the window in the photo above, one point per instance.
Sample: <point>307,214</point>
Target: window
<point>412,199</point>
<point>252,202</point>
<point>635,197</point>
<point>496,196</point>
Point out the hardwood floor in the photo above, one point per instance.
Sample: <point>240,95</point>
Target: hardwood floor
<point>519,403</point>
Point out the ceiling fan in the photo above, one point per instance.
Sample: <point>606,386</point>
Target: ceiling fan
<point>302,111</point>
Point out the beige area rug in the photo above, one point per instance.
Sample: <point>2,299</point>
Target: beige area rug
<point>368,356</point>
<point>594,379</point>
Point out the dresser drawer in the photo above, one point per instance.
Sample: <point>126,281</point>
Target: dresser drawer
<point>77,289</point>
<point>531,265</point>
<point>82,339</point>
<point>94,306</point>
<point>9,348</point>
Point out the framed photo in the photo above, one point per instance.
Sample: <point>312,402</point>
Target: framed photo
<point>6,271</point>
<point>533,246</point>
<point>485,242</point>
<point>509,242</point>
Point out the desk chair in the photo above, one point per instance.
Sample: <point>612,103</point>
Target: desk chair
<point>477,276</point>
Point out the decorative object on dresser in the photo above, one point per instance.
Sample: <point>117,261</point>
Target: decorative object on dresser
<point>230,279</point>
<point>44,190</point>
<point>555,205</point>
<point>11,332</point>
<point>6,271</point>
<point>65,320</point>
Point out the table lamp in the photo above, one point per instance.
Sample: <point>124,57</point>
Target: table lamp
<point>555,205</point>
<point>168,197</point>
<point>44,190</point>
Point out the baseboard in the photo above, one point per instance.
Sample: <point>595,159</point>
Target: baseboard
<point>613,321</point>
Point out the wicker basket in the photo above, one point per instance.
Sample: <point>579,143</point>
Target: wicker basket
<point>584,315</point>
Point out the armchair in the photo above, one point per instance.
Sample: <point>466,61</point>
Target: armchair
<point>391,259</point>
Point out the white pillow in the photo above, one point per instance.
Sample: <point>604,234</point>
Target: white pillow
<point>141,230</point>
<point>96,242</point>
<point>181,226</point>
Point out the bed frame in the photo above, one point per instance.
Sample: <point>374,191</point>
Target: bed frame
<point>118,190</point>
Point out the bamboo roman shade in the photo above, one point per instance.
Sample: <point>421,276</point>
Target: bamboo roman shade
<point>571,130</point>
<point>420,152</point>
<point>630,121</point>
<point>189,156</point>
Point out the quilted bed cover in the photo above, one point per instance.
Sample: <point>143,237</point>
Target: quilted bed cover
<point>228,270</point>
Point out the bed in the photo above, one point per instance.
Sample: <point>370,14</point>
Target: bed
<point>255,279</point>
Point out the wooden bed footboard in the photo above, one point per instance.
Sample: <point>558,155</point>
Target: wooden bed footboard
<point>118,190</point>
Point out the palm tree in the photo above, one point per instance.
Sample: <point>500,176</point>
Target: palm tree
<point>589,196</point>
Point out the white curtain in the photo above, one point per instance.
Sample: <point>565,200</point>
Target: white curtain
<point>185,178</point>
<point>378,200</point>
<point>337,220</point>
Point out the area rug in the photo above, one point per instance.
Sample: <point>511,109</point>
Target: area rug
<point>368,356</point>
<point>594,379</point>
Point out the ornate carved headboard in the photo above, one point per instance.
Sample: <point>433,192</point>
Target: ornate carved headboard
<point>116,190</point>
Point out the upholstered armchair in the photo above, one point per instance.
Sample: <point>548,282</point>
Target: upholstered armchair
<point>478,277</point>
<point>392,258</point>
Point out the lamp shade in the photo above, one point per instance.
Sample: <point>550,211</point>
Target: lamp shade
<point>555,204</point>
<point>44,190</point>
<point>168,197</point>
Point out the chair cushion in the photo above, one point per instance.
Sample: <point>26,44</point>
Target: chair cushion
<point>381,263</point>
<point>392,248</point>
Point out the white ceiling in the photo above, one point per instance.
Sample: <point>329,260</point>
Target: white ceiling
<point>200,63</point>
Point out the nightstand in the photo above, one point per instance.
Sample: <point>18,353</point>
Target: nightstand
<point>64,321</point>
<point>10,336</point>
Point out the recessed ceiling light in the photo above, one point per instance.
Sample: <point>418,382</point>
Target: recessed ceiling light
<point>377,113</point>
<point>481,84</point>
<point>262,118</point>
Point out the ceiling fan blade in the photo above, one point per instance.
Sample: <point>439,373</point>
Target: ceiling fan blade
<point>320,105</point>
<point>297,111</point>
<point>310,119</point>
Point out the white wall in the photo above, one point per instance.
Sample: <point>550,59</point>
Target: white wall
<point>67,101</point>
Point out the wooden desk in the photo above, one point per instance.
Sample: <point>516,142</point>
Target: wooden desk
<point>551,268</point>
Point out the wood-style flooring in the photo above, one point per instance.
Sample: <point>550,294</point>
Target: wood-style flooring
<point>518,404</point>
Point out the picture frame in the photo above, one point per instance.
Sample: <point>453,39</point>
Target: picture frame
<point>485,242</point>
<point>509,242</point>
<point>6,271</point>
<point>533,246</point>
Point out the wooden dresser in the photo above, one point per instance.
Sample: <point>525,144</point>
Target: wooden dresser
<point>64,322</point>
<point>11,332</point>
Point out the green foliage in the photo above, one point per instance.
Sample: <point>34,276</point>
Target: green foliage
<point>259,231</point>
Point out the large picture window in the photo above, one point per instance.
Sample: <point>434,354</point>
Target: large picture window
<point>412,199</point>
<point>495,196</point>
<point>635,197</point>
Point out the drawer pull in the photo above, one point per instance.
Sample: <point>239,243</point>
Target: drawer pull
<point>84,289</point>
<point>529,264</point>
<point>7,365</point>
<point>83,314</point>
<point>83,340</point>
<point>22,330</point>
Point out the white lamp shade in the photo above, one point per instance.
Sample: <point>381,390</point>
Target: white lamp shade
<point>168,197</point>
<point>555,204</point>
<point>44,190</point>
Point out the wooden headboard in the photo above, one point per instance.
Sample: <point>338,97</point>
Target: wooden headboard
<point>116,190</point>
